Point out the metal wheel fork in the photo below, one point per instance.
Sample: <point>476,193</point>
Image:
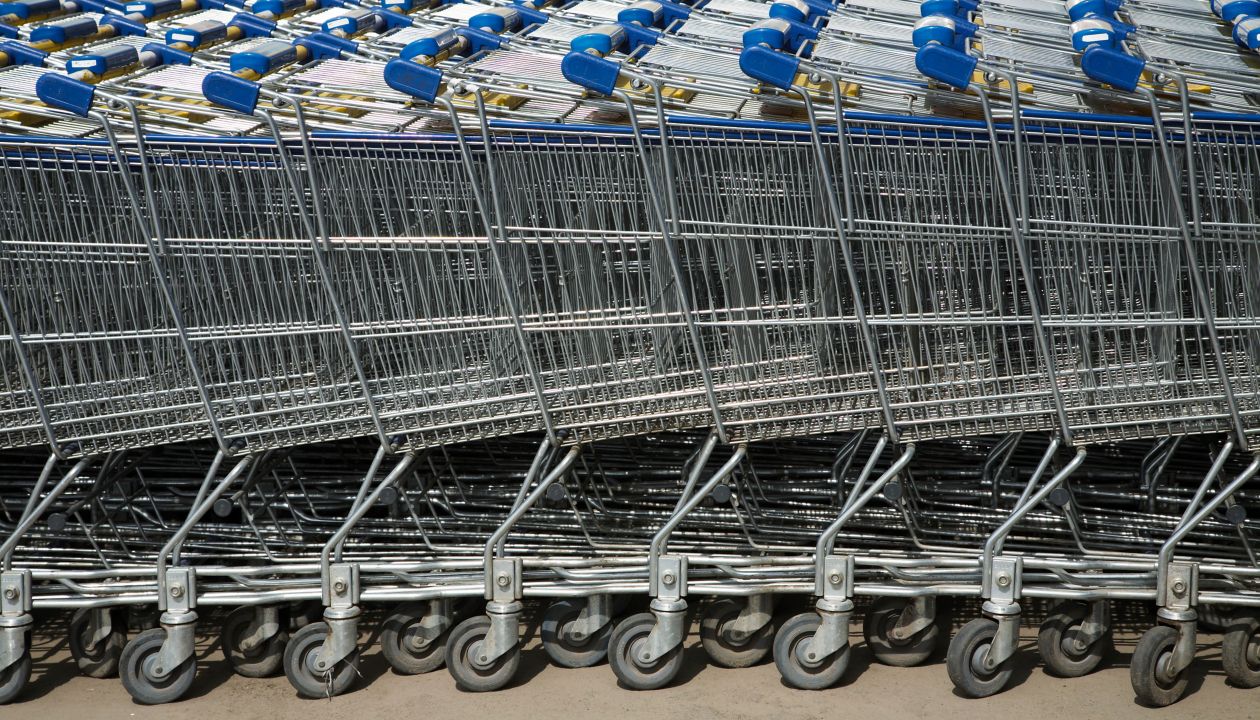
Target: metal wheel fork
<point>1178,582</point>
<point>918,615</point>
<point>1002,582</point>
<point>16,602</point>
<point>596,613</point>
<point>177,586</point>
<point>340,580</point>
<point>833,580</point>
<point>263,627</point>
<point>667,574</point>
<point>504,585</point>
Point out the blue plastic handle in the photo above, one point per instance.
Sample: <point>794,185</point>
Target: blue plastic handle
<point>1113,67</point>
<point>770,67</point>
<point>65,93</point>
<point>1247,33</point>
<point>22,54</point>
<point>231,92</point>
<point>591,72</point>
<point>168,54</point>
<point>413,79</point>
<point>950,66</point>
<point>124,26</point>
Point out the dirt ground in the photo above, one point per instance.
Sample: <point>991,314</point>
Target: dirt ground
<point>869,691</point>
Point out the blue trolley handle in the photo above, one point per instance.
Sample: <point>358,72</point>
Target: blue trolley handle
<point>587,63</point>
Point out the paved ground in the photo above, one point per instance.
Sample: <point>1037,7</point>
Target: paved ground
<point>869,692</point>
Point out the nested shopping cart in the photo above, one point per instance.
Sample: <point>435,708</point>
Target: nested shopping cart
<point>746,302</point>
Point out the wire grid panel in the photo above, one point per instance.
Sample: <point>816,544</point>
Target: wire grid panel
<point>253,286</point>
<point>947,330</point>
<point>1226,161</point>
<point>1131,349</point>
<point>763,263</point>
<point>105,359</point>
<point>600,303</point>
<point>409,253</point>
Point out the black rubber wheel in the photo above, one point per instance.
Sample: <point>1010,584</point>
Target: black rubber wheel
<point>1240,652</point>
<point>726,651</point>
<point>299,664</point>
<point>877,628</point>
<point>627,643</point>
<point>403,649</point>
<point>99,660</point>
<point>1151,684</point>
<point>799,671</point>
<point>1057,642</point>
<point>265,660</point>
<point>965,658</point>
<point>13,679</point>
<point>135,664</point>
<point>563,649</point>
<point>464,664</point>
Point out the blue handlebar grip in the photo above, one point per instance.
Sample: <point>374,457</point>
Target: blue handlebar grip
<point>950,66</point>
<point>22,54</point>
<point>65,93</point>
<point>63,31</point>
<point>530,16</point>
<point>1113,67</point>
<point>327,47</point>
<point>104,60</point>
<point>770,67</point>
<point>591,72</point>
<point>1081,9</point>
<point>168,54</point>
<point>264,57</point>
<point>252,25</point>
<point>1247,33</point>
<point>100,6</point>
<point>30,8</point>
<point>432,46</point>
<point>479,40</point>
<point>231,92</point>
<point>124,26</point>
<point>1231,10</point>
<point>8,31</point>
<point>413,79</point>
<point>392,19</point>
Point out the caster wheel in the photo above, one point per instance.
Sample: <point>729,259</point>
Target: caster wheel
<point>563,649</point>
<point>628,641</point>
<point>299,665</point>
<point>262,661</point>
<point>136,668</point>
<point>877,628</point>
<point>463,661</point>
<point>1060,650</point>
<point>798,670</point>
<point>965,660</point>
<point>98,660</point>
<point>1240,652</point>
<point>726,651</point>
<point>404,649</point>
<point>1148,672</point>
<point>14,678</point>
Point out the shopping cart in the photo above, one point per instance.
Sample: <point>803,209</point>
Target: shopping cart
<point>975,272</point>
